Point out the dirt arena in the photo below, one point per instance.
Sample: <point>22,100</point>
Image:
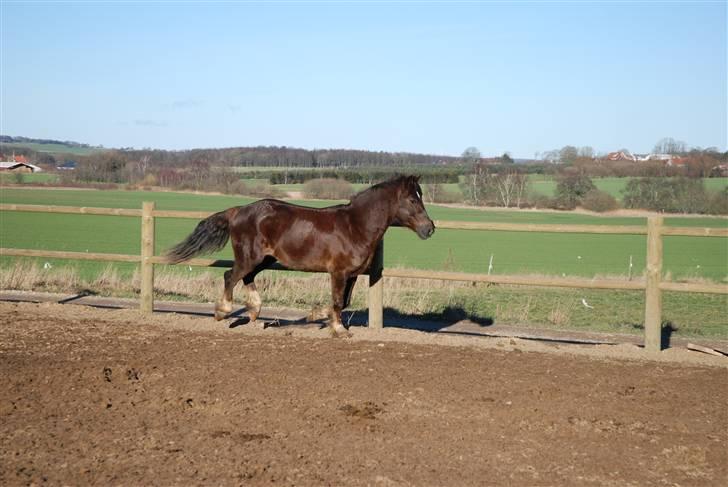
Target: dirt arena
<point>109,397</point>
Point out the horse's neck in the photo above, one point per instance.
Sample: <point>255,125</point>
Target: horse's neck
<point>374,210</point>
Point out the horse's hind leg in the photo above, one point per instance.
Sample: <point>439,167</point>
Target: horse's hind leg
<point>253,302</point>
<point>338,294</point>
<point>225,305</point>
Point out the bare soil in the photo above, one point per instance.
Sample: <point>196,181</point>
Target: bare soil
<point>113,397</point>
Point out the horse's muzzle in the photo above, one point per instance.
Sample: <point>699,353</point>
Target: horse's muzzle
<point>426,231</point>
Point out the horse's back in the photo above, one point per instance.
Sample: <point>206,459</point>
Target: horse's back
<point>274,218</point>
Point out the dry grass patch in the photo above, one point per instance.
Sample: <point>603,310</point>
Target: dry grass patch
<point>586,309</point>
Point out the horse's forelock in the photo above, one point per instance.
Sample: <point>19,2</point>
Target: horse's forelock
<point>412,183</point>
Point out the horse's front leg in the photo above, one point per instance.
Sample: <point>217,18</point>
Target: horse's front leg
<point>338,295</point>
<point>323,312</point>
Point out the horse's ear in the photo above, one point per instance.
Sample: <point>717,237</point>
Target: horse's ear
<point>412,178</point>
<point>417,178</point>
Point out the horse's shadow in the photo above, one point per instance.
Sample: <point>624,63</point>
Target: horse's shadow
<point>433,321</point>
<point>429,322</point>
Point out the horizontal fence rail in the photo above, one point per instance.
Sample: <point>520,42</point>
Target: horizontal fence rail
<point>651,284</point>
<point>71,210</point>
<point>598,229</point>
<point>541,228</point>
<point>57,254</point>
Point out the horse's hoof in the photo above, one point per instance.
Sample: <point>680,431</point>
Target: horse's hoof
<point>340,332</point>
<point>220,315</point>
<point>317,314</point>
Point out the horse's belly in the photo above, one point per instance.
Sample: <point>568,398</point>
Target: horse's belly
<point>315,259</point>
<point>311,246</point>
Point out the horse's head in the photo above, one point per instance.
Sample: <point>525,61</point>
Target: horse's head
<point>411,211</point>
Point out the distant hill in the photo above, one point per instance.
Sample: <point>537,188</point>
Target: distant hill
<point>260,156</point>
<point>48,146</point>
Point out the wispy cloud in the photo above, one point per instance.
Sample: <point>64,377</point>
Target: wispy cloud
<point>182,104</point>
<point>235,108</point>
<point>150,123</point>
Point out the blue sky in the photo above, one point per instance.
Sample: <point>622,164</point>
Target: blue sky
<point>435,77</point>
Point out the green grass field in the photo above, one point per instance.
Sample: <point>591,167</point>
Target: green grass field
<point>32,178</point>
<point>462,250</point>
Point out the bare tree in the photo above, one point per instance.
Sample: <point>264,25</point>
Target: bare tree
<point>144,164</point>
<point>668,145</point>
<point>551,155</point>
<point>471,154</point>
<point>568,153</point>
<point>476,183</point>
<point>433,192</point>
<point>510,187</point>
<point>586,152</point>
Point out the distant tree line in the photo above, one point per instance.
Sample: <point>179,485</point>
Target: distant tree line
<point>289,157</point>
<point>363,175</point>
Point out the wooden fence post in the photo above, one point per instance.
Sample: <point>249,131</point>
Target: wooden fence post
<point>376,289</point>
<point>146,304</point>
<point>653,295</point>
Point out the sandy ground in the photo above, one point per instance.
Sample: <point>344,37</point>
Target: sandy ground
<point>113,397</point>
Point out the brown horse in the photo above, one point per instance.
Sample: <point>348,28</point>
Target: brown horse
<point>340,240</point>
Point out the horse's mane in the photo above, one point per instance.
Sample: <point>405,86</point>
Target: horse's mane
<point>388,185</point>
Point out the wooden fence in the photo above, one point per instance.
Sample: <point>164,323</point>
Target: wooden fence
<point>652,284</point>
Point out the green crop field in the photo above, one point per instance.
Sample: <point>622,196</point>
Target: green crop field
<point>463,250</point>
<point>31,178</point>
<point>52,148</point>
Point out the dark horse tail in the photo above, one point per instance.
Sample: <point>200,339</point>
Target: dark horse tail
<point>210,235</point>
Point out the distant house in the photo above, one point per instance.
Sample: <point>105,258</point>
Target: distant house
<point>621,156</point>
<point>656,157</point>
<point>23,167</point>
<point>17,164</point>
<point>667,159</point>
<point>677,161</point>
<point>720,170</point>
<point>67,166</point>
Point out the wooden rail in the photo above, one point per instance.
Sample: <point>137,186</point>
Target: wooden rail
<point>652,285</point>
